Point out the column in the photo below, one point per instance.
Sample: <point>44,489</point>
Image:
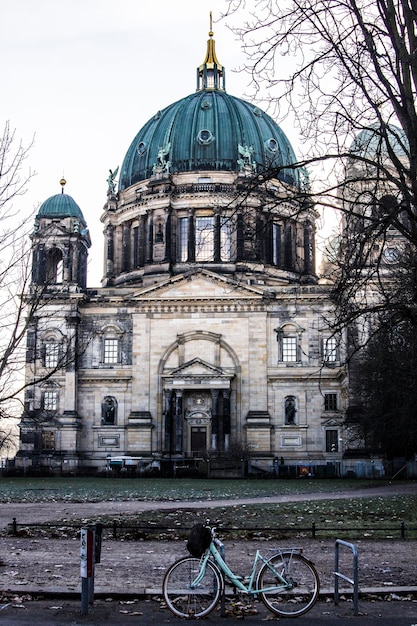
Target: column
<point>191,238</point>
<point>168,419</point>
<point>217,238</point>
<point>109,251</point>
<point>226,418</point>
<point>126,248</point>
<point>178,422</point>
<point>215,418</point>
<point>309,260</point>
<point>168,237</point>
<point>150,238</point>
<point>142,241</point>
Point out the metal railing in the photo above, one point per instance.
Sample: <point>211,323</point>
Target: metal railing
<point>145,531</point>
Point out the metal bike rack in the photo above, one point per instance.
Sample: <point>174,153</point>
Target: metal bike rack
<point>353,581</point>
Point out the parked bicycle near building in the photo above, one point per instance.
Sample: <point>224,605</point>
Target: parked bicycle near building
<point>285,581</point>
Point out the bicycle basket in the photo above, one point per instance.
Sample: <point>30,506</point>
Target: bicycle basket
<point>198,540</point>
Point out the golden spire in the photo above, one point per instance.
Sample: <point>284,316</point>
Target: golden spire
<point>211,66</point>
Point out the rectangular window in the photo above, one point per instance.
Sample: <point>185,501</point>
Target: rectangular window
<point>330,401</point>
<point>50,401</point>
<point>204,239</point>
<point>332,441</point>
<point>111,351</point>
<point>48,440</point>
<point>183,240</point>
<point>225,240</point>
<point>276,245</point>
<point>51,354</point>
<point>330,350</point>
<point>289,349</point>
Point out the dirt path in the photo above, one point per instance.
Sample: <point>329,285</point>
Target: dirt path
<point>54,511</point>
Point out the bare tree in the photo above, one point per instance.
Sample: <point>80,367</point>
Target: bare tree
<point>23,304</point>
<point>14,276</point>
<point>383,410</point>
<point>345,74</point>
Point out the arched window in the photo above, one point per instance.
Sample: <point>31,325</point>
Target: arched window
<point>54,266</point>
<point>109,411</point>
<point>50,400</point>
<point>51,353</point>
<point>289,343</point>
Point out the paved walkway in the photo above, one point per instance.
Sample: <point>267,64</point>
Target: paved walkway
<point>145,613</point>
<point>54,511</point>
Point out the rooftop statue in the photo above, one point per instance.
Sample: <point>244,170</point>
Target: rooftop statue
<point>111,180</point>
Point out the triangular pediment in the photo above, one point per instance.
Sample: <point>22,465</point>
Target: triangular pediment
<point>331,422</point>
<point>54,229</point>
<point>199,285</point>
<point>197,367</point>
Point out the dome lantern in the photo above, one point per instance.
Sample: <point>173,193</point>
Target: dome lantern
<point>211,74</point>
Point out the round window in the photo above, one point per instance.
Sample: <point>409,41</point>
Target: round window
<point>205,137</point>
<point>272,145</point>
<point>141,148</point>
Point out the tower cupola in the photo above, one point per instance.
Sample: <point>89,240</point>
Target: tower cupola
<point>60,244</point>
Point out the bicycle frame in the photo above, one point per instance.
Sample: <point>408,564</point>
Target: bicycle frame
<point>251,588</point>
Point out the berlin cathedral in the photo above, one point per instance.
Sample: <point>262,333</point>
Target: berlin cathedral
<point>206,349</point>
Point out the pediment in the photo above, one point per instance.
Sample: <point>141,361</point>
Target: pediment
<point>55,229</point>
<point>197,367</point>
<point>199,285</point>
<point>331,422</point>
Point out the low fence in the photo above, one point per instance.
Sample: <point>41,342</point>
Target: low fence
<point>144,532</point>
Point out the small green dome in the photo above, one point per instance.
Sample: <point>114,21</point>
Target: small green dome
<point>372,142</point>
<point>60,206</point>
<point>209,130</point>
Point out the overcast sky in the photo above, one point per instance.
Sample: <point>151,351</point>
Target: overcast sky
<point>84,76</point>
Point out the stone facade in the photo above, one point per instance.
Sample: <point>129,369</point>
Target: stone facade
<point>208,343</point>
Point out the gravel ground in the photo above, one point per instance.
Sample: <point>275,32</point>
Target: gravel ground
<point>30,564</point>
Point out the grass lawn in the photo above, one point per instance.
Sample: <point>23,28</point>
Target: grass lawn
<point>165,489</point>
<point>353,517</point>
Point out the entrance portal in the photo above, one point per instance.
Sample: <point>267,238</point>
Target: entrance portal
<point>198,440</point>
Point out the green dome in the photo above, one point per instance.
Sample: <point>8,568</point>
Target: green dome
<point>60,206</point>
<point>208,130</point>
<point>372,142</point>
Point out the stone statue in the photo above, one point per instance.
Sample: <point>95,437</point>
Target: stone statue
<point>111,180</point>
<point>246,162</point>
<point>162,164</point>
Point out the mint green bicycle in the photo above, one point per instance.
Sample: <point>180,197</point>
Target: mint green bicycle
<point>286,582</point>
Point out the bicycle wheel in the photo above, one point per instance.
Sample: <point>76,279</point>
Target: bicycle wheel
<point>299,574</point>
<point>185,600</point>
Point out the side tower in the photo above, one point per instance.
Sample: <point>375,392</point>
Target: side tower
<point>372,267</point>
<point>50,423</point>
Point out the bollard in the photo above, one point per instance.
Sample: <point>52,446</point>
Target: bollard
<point>88,548</point>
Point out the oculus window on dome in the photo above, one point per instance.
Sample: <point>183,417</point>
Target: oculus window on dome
<point>205,137</point>
<point>141,148</point>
